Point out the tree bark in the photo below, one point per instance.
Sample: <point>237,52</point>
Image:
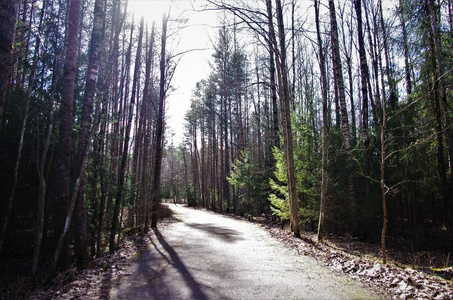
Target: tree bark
<point>159,127</point>
<point>63,163</point>
<point>325,148</point>
<point>145,115</point>
<point>110,80</point>
<point>439,76</point>
<point>348,55</point>
<point>42,164</point>
<point>364,75</point>
<point>406,50</point>
<point>383,185</point>
<point>125,153</point>
<point>338,77</point>
<point>41,172</point>
<point>84,143</point>
<point>285,98</point>
<point>393,97</point>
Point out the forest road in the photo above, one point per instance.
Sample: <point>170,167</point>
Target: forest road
<point>208,256</point>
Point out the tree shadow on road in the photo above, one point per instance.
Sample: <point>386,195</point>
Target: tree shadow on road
<point>152,277</point>
<point>174,260</point>
<point>226,234</point>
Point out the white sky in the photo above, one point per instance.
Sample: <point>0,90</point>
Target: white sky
<point>193,66</point>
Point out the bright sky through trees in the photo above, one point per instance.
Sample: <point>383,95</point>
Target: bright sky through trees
<point>190,33</point>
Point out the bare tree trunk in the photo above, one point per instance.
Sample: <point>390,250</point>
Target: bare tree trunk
<point>439,76</point>
<point>221,171</point>
<point>41,166</point>
<point>285,97</point>
<point>348,55</point>
<point>226,185</point>
<point>325,149</point>
<point>63,163</point>
<point>22,48</point>
<point>351,99</point>
<point>374,101</point>
<point>110,78</point>
<point>364,72</point>
<point>213,160</point>
<point>383,185</point>
<point>204,175</point>
<point>84,143</point>
<point>9,203</point>
<point>393,97</point>
<point>406,51</point>
<point>72,202</point>
<point>338,77</point>
<point>122,173</point>
<point>95,179</point>
<point>434,98</point>
<point>195,165</point>
<point>146,121</point>
<point>273,86</point>
<point>104,182</point>
<point>159,127</point>
<point>8,20</point>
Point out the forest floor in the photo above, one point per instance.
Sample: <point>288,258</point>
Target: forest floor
<point>359,261</point>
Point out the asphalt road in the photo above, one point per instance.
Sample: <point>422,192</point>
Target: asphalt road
<point>208,256</point>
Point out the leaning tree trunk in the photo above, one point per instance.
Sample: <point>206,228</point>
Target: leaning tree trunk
<point>159,127</point>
